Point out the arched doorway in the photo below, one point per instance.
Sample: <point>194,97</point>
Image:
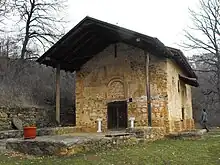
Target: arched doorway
<point>117,114</point>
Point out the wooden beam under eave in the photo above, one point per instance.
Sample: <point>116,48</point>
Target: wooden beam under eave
<point>58,93</point>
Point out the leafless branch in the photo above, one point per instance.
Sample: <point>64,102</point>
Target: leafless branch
<point>204,35</point>
<point>4,10</point>
<point>40,22</point>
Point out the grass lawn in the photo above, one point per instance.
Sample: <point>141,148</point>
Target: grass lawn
<point>165,152</point>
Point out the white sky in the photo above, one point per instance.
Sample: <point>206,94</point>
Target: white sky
<point>164,19</point>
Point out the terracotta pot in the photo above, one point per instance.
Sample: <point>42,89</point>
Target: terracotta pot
<point>30,132</point>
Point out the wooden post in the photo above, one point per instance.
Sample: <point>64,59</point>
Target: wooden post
<point>148,89</point>
<point>58,93</point>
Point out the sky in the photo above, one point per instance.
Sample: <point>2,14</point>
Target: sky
<point>164,19</point>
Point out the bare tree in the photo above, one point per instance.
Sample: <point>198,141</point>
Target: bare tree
<point>4,9</point>
<point>204,36</point>
<point>40,23</point>
<point>9,47</point>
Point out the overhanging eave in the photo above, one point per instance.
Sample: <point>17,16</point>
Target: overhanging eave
<point>189,81</point>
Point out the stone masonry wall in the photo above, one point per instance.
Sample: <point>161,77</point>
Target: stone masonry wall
<point>179,96</point>
<point>111,77</point>
<point>106,78</point>
<point>159,95</point>
<point>42,117</point>
<point>158,89</point>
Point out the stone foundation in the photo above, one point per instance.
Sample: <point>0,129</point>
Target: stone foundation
<point>193,135</point>
<point>84,142</point>
<point>183,125</point>
<point>150,133</point>
<point>67,145</point>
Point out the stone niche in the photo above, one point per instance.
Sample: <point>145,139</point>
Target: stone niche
<point>116,89</point>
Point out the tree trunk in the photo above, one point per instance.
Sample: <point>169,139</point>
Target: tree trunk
<point>218,76</point>
<point>24,46</point>
<point>27,28</point>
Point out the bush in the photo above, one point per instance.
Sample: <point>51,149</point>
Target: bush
<point>28,84</point>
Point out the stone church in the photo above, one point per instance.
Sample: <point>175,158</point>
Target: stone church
<point>122,74</point>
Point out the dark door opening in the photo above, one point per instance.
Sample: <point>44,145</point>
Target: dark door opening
<point>117,115</point>
<point>68,116</point>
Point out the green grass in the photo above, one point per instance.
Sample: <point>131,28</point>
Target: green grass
<point>165,152</point>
